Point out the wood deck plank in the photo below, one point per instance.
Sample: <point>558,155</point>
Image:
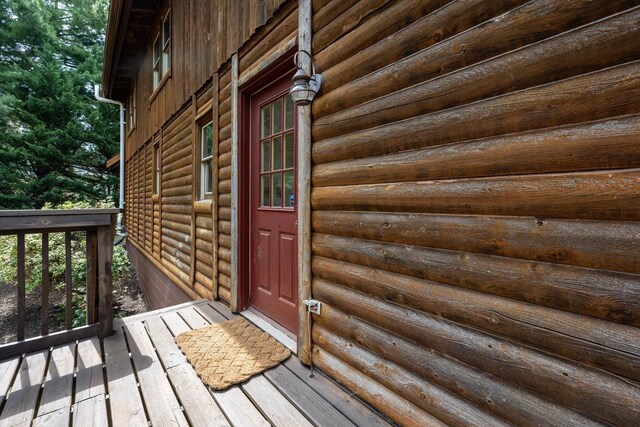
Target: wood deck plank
<point>238,408</point>
<point>58,385</point>
<point>357,412</point>
<point>198,404</point>
<point>159,312</point>
<point>279,411</point>
<point>89,378</point>
<point>282,396</point>
<point>8,370</point>
<point>306,400</point>
<point>20,406</point>
<point>57,418</point>
<point>175,323</point>
<point>163,407</point>
<point>193,318</point>
<point>90,412</point>
<point>209,313</point>
<point>125,401</point>
<point>165,344</point>
<point>222,309</point>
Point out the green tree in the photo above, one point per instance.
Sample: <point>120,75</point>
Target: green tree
<point>54,137</point>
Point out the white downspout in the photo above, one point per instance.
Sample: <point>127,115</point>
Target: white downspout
<point>96,92</point>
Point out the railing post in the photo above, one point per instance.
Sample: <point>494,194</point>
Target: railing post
<point>21,286</point>
<point>92,275</point>
<point>106,237</point>
<point>46,282</point>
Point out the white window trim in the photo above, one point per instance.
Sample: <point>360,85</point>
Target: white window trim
<point>203,160</point>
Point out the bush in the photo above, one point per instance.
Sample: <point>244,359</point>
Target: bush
<point>33,262</point>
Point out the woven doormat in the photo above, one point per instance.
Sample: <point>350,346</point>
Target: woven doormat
<point>230,352</point>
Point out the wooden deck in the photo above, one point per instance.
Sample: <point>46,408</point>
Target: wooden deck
<point>139,377</point>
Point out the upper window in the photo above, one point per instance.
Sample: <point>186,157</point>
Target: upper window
<point>131,108</point>
<point>206,154</point>
<point>277,153</point>
<point>162,50</point>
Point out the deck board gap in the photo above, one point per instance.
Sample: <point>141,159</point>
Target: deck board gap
<point>107,400</point>
<point>42,380</point>
<point>145,348</point>
<point>187,386</point>
<point>135,375</point>
<point>314,399</point>
<point>14,375</point>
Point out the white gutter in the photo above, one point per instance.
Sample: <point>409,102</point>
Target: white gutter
<point>96,92</point>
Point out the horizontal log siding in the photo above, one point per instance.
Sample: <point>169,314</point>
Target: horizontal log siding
<point>224,177</point>
<point>135,199</point>
<point>148,202</point>
<point>203,257</point>
<point>475,208</point>
<point>177,143</point>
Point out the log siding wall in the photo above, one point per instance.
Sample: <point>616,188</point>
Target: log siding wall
<point>475,209</point>
<point>173,229</point>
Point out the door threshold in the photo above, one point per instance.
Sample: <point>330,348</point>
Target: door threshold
<point>285,337</point>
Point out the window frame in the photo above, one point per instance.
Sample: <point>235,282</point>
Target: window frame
<point>161,52</point>
<point>131,110</point>
<point>283,170</point>
<point>202,161</point>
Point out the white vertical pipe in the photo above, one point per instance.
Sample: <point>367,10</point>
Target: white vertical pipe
<point>96,93</point>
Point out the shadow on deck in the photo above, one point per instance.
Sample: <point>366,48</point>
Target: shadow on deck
<point>139,376</point>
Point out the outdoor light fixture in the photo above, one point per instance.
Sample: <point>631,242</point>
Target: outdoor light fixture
<point>305,87</point>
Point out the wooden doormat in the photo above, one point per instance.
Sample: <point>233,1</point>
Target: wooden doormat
<point>230,352</point>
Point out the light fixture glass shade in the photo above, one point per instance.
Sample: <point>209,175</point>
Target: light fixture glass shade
<point>301,91</point>
<point>301,94</point>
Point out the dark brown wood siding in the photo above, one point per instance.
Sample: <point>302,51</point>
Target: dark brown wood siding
<point>204,36</point>
<point>475,203</point>
<point>475,208</point>
<point>174,228</point>
<point>224,186</point>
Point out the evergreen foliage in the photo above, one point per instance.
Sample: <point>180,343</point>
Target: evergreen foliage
<point>54,137</point>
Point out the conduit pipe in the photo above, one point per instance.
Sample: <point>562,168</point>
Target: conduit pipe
<point>119,227</point>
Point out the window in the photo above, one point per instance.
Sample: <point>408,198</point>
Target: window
<point>162,51</point>
<point>206,154</point>
<point>157,166</point>
<point>131,109</point>
<point>277,153</point>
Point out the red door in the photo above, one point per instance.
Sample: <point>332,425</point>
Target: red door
<point>272,217</point>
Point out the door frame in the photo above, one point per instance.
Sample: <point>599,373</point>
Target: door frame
<point>275,72</point>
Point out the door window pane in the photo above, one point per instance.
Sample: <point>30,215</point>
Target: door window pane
<point>277,153</point>
<point>265,119</point>
<point>276,185</point>
<point>266,153</point>
<point>288,189</point>
<point>288,112</point>
<point>288,150</point>
<point>264,190</point>
<point>277,115</point>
